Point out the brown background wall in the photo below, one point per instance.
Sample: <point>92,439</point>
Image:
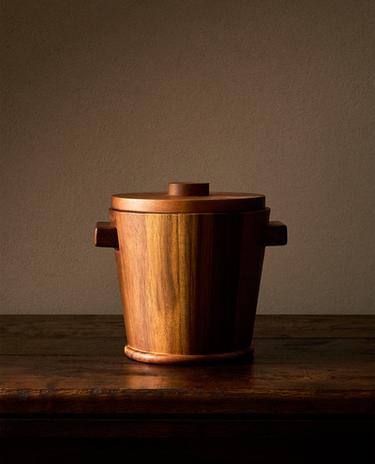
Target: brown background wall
<point>105,96</point>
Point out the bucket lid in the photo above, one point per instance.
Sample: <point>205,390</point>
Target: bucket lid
<point>187,197</point>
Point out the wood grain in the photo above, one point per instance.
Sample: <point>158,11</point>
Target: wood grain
<point>189,282</point>
<point>84,371</point>
<point>309,393</point>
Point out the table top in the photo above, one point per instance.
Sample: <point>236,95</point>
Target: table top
<point>303,365</point>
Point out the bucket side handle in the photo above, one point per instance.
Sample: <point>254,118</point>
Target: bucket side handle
<point>276,234</point>
<point>105,235</point>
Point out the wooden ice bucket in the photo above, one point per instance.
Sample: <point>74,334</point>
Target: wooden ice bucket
<point>189,265</point>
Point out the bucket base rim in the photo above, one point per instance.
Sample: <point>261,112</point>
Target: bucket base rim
<point>245,354</point>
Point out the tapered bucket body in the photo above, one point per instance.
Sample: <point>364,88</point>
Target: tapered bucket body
<point>189,280</point>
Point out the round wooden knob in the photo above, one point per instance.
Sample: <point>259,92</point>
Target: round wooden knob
<point>188,189</point>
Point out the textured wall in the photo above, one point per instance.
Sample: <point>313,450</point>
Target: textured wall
<point>104,96</point>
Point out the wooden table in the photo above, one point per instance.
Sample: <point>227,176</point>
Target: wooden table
<point>65,378</point>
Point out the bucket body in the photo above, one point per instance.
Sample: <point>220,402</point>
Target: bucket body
<point>189,281</point>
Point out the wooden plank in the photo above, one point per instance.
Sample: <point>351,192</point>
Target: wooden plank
<point>267,326</point>
<point>314,326</point>
<point>282,350</point>
<point>61,326</point>
<point>66,372</point>
<point>109,385</point>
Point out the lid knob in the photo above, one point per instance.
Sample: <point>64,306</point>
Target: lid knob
<point>189,189</point>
